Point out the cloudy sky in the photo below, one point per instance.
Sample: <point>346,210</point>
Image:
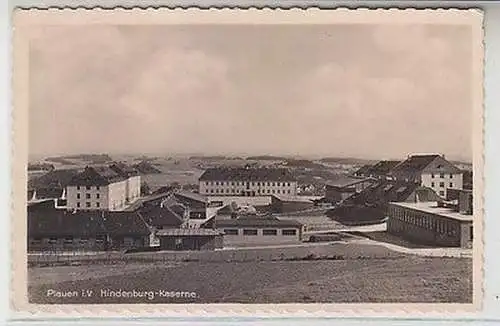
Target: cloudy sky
<point>367,91</point>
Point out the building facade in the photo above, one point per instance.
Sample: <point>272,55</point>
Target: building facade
<point>431,224</point>
<point>432,171</point>
<point>102,188</point>
<point>247,182</point>
<point>247,231</point>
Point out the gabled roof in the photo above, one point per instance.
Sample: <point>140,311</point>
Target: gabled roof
<point>247,174</point>
<point>191,196</point>
<point>416,162</point>
<point>343,182</point>
<point>160,216</point>
<point>96,176</point>
<point>125,223</point>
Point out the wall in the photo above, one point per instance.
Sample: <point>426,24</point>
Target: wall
<point>191,242</point>
<point>456,181</point>
<point>239,200</point>
<point>233,188</point>
<point>260,238</point>
<point>133,188</point>
<point>117,195</point>
<point>424,227</point>
<point>72,197</point>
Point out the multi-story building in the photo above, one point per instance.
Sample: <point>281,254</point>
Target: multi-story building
<point>102,188</point>
<point>259,183</point>
<point>432,171</point>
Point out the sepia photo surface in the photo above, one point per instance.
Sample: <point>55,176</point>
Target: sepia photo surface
<point>247,157</point>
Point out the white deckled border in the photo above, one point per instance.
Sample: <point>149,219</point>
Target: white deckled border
<point>24,18</point>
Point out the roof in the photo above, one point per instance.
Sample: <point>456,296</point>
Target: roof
<point>363,170</point>
<point>160,216</point>
<point>187,232</point>
<point>96,176</point>
<point>192,196</point>
<point>416,164</point>
<point>378,169</point>
<point>53,179</point>
<point>343,182</point>
<point>247,174</point>
<point>433,208</point>
<point>267,221</point>
<point>45,220</point>
<point>43,193</point>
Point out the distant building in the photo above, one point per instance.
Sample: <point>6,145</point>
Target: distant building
<point>379,170</point>
<point>287,204</point>
<point>371,204</point>
<point>433,223</point>
<point>103,188</point>
<point>339,190</point>
<point>247,182</point>
<point>247,231</point>
<point>432,171</point>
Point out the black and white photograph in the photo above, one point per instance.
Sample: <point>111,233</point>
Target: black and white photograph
<point>251,161</point>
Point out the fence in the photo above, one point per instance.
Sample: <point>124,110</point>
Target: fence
<point>321,251</point>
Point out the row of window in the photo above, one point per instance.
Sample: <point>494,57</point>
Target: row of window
<point>88,196</point>
<point>441,184</point>
<point>285,232</point>
<point>426,221</point>
<point>88,204</point>
<point>69,240</point>
<point>441,175</point>
<point>88,187</point>
<point>240,183</point>
<point>258,191</point>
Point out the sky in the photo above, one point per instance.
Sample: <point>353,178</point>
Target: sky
<point>366,91</point>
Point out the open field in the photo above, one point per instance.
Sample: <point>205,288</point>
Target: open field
<point>404,279</point>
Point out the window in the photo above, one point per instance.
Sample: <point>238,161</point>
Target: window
<point>451,184</point>
<point>269,232</point>
<point>268,191</point>
<point>87,204</point>
<point>289,232</point>
<point>84,240</point>
<point>97,204</point>
<point>52,240</point>
<point>432,184</point>
<point>249,231</point>
<point>78,204</point>
<point>441,175</point>
<point>78,196</point>
<point>451,176</point>
<point>231,231</point>
<point>288,184</point>
<point>471,233</point>
<point>68,240</point>
<point>100,239</point>
<point>211,191</point>
<point>88,187</point>
<point>441,193</point>
<point>278,191</point>
<point>87,196</point>
<point>288,191</point>
<point>441,184</point>
<point>97,196</point>
<point>98,188</point>
<point>432,175</point>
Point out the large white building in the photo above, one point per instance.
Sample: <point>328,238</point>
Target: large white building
<point>249,182</point>
<point>432,171</point>
<point>103,188</point>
